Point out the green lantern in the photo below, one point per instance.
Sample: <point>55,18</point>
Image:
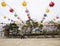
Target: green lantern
<point>15,15</point>
<point>59,22</point>
<point>51,21</point>
<point>28,14</point>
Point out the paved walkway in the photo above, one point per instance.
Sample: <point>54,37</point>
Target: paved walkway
<point>30,42</point>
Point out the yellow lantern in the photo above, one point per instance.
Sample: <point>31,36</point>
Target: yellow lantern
<point>20,20</point>
<point>4,17</point>
<point>3,4</point>
<point>47,24</point>
<point>54,19</point>
<point>24,3</point>
<point>17,22</point>
<point>47,10</point>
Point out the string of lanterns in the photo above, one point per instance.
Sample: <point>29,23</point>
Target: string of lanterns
<point>11,10</point>
<point>24,4</point>
<point>51,4</point>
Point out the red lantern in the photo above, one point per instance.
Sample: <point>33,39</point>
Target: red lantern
<point>29,17</point>
<point>11,10</point>
<point>51,4</point>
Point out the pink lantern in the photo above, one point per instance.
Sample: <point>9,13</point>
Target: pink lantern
<point>18,18</point>
<point>27,11</point>
<point>57,17</point>
<point>43,18</point>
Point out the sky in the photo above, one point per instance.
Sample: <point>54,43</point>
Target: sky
<point>36,10</point>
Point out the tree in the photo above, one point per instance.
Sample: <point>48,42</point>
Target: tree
<point>30,24</point>
<point>58,27</point>
<point>12,29</point>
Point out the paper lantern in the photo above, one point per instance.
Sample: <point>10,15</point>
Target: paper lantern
<point>9,19</point>
<point>29,17</point>
<point>11,10</point>
<point>15,15</point>
<point>3,4</point>
<point>16,22</point>
<point>24,4</point>
<point>54,23</point>
<point>27,11</point>
<point>22,22</point>
<point>18,18</point>
<point>51,21</point>
<point>57,17</point>
<point>45,15</point>
<point>54,19</point>
<point>41,21</point>
<point>47,24</point>
<point>51,4</point>
<point>47,10</point>
<point>28,14</point>
<point>58,21</point>
<point>43,18</point>
<point>4,17</point>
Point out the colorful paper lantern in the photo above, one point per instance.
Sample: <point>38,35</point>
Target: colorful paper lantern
<point>18,17</point>
<point>11,10</point>
<point>5,17</point>
<point>51,21</point>
<point>54,23</point>
<point>16,22</point>
<point>28,14</point>
<point>43,18</point>
<point>3,4</point>
<point>24,4</point>
<point>47,24</point>
<point>9,19</point>
<point>59,22</point>
<point>57,17</point>
<point>15,15</point>
<point>54,19</point>
<point>45,15</point>
<point>51,4</point>
<point>29,17</point>
<point>41,21</point>
<point>47,10</point>
<point>22,22</point>
<point>27,11</point>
